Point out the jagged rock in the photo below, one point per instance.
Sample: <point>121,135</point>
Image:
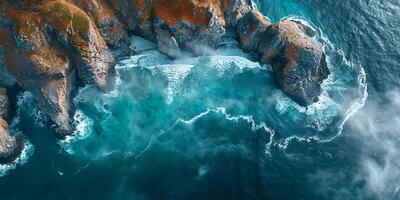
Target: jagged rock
<point>76,32</point>
<point>51,81</point>
<point>167,43</point>
<point>45,49</point>
<point>297,59</point>
<point>177,25</point>
<point>112,30</point>
<point>250,29</point>
<point>95,66</point>
<point>55,99</point>
<point>195,25</point>
<point>234,10</point>
<point>137,15</point>
<point>10,146</point>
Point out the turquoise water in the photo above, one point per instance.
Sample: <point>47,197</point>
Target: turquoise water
<point>218,127</point>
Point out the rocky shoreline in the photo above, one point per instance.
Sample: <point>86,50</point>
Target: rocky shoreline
<point>53,47</point>
<point>10,146</point>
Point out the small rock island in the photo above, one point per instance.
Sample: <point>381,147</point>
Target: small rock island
<point>51,48</point>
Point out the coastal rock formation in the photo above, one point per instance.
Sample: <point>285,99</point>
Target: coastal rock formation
<point>53,47</point>
<point>251,29</point>
<point>195,25</point>
<point>113,31</point>
<point>234,10</point>
<point>297,59</point>
<point>10,146</point>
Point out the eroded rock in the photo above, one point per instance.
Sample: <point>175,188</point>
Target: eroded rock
<point>234,10</point>
<point>10,146</point>
<point>297,59</point>
<point>251,28</point>
<point>51,49</point>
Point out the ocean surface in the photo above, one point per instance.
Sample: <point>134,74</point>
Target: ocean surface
<point>218,127</point>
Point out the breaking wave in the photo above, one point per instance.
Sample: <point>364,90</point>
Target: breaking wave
<point>26,153</point>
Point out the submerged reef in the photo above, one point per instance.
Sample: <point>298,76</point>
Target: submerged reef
<point>52,47</point>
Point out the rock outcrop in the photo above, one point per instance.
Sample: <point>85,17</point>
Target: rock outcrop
<point>251,29</point>
<point>10,146</point>
<point>297,59</point>
<point>52,47</point>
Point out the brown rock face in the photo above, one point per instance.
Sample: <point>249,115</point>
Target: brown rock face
<point>251,29</point>
<point>10,146</point>
<point>112,30</point>
<point>51,45</point>
<point>196,25</point>
<point>176,25</point>
<point>234,10</point>
<point>297,58</point>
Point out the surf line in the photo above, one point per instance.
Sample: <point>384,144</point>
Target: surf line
<point>219,110</point>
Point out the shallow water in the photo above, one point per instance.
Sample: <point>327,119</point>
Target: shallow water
<point>218,127</point>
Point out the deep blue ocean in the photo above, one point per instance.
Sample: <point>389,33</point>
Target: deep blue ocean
<point>218,127</point>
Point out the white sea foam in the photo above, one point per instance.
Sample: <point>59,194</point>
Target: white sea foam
<point>26,153</point>
<point>222,62</point>
<point>254,126</point>
<point>357,104</point>
<point>21,99</point>
<point>175,75</point>
<point>326,105</point>
<point>131,62</point>
<point>177,71</point>
<point>225,63</point>
<point>83,129</point>
<point>219,110</point>
<point>28,150</point>
<point>39,117</point>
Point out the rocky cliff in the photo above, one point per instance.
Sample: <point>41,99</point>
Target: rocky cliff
<point>52,47</point>
<point>10,146</point>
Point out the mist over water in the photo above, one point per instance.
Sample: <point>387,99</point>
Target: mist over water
<point>218,127</point>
